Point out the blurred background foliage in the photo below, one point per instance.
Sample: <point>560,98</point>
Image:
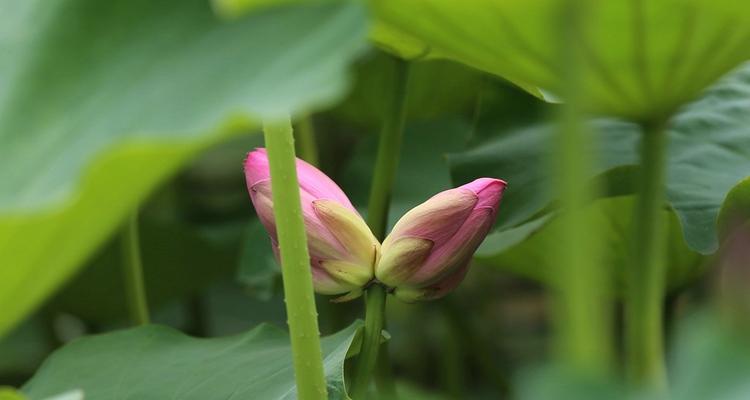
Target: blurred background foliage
<point>208,266</point>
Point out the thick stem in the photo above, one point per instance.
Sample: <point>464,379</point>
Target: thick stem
<point>584,329</point>
<point>389,150</point>
<point>386,164</point>
<point>295,261</point>
<point>133,272</point>
<point>383,379</point>
<point>368,353</point>
<point>583,326</point>
<point>645,285</point>
<point>305,135</point>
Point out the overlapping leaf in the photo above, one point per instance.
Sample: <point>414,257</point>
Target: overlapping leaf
<point>640,59</point>
<point>101,101</point>
<point>156,362</point>
<point>709,155</point>
<point>613,220</point>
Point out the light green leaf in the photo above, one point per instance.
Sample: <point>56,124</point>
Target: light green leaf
<point>386,36</point>
<point>125,364</point>
<point>8,393</point>
<point>238,8</point>
<point>709,154</point>
<point>102,101</point>
<point>641,59</point>
<point>399,43</point>
<point>613,218</point>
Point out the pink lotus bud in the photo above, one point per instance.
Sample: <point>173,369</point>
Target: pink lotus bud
<point>343,250</point>
<point>428,252</point>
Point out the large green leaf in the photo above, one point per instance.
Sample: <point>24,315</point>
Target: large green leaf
<point>640,59</point>
<point>613,219</point>
<point>101,101</point>
<point>156,362</point>
<point>709,154</point>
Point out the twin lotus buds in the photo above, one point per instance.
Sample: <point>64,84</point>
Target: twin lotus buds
<point>425,256</point>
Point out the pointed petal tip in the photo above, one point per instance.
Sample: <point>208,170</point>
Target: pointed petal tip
<point>481,184</point>
<point>488,190</point>
<point>257,154</point>
<point>256,167</point>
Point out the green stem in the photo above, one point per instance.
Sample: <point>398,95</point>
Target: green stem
<point>389,150</point>
<point>645,285</point>
<point>308,149</point>
<point>368,353</point>
<point>383,379</point>
<point>295,261</point>
<point>386,164</point>
<point>583,326</point>
<point>135,290</point>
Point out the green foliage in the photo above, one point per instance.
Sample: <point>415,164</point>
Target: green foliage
<point>709,154</point>
<point>82,142</point>
<point>613,220</point>
<point>102,102</point>
<point>640,59</point>
<point>10,394</point>
<point>159,363</point>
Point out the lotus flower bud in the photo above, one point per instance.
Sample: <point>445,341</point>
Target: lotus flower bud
<point>428,252</point>
<point>343,250</point>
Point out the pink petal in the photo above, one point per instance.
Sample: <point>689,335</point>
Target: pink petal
<point>323,282</point>
<point>457,251</point>
<point>320,242</point>
<point>256,167</point>
<point>310,179</point>
<point>434,291</point>
<point>437,219</point>
<point>488,190</point>
<point>260,195</point>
